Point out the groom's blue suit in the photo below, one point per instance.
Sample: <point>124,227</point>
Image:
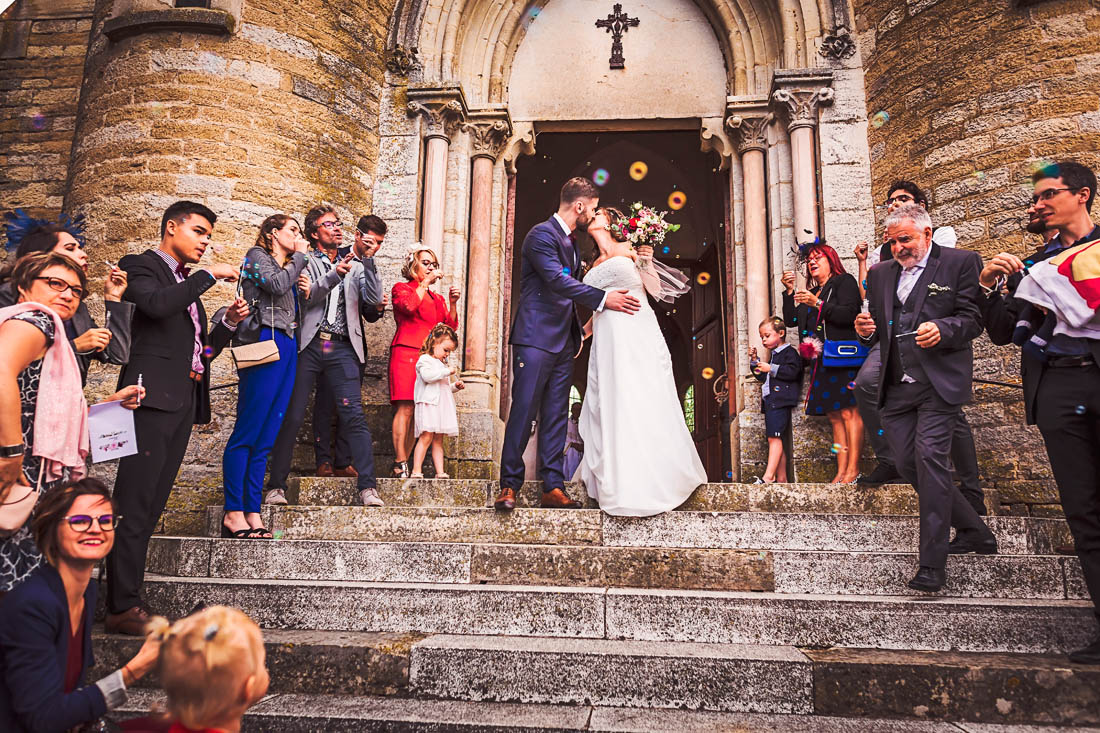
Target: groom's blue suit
<point>545,336</point>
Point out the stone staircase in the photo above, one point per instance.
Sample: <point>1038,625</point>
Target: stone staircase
<point>779,607</point>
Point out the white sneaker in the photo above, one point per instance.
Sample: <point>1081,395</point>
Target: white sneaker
<point>370,497</point>
<point>275,496</point>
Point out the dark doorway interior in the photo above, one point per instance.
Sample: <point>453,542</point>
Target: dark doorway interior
<point>693,326</point>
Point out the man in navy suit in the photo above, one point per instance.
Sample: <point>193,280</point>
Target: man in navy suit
<point>546,336</point>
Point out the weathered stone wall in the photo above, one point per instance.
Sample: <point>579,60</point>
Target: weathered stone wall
<point>42,48</point>
<point>276,116</point>
<point>965,98</point>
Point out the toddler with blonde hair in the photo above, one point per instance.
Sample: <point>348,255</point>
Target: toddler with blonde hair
<point>212,668</point>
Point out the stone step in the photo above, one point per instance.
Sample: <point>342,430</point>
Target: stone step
<point>301,713</point>
<point>728,677</point>
<point>724,497</point>
<point>310,662</point>
<point>860,573</point>
<point>704,530</point>
<point>726,617</point>
<point>745,678</point>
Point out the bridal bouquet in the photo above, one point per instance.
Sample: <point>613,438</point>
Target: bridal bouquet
<point>644,226</point>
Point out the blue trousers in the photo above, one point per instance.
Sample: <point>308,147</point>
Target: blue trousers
<point>540,386</point>
<point>341,368</point>
<point>262,397</point>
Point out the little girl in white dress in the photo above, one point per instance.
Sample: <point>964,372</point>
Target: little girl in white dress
<point>435,414</point>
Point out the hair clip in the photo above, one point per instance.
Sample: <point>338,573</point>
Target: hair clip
<point>211,632</point>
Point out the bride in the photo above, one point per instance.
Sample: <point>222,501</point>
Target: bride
<point>639,458</point>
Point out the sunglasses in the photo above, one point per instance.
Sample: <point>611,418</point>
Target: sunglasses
<point>83,522</point>
<point>60,286</point>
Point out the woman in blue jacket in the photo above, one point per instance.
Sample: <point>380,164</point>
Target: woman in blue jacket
<point>46,622</point>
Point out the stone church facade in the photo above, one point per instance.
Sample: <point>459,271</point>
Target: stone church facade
<point>437,117</point>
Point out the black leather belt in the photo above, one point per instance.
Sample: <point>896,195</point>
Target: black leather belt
<point>1077,360</point>
<point>326,336</point>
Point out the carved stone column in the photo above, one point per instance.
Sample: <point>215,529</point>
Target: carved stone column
<point>749,125</point>
<point>488,134</point>
<point>798,95</point>
<point>443,109</point>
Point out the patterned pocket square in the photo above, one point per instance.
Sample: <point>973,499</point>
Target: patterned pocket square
<point>933,288</point>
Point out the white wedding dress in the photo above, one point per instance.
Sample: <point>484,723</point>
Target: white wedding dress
<point>639,458</point>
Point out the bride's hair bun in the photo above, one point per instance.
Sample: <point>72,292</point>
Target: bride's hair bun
<point>615,222</point>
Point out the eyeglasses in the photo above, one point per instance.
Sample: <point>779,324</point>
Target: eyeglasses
<point>83,523</point>
<point>901,198</point>
<point>429,264</point>
<point>1048,194</point>
<point>331,224</point>
<point>60,286</point>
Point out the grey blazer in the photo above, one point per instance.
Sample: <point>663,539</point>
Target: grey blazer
<point>362,287</point>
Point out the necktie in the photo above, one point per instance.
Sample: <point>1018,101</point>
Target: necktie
<point>908,280</point>
<point>571,250</point>
<point>182,271</point>
<point>333,305</point>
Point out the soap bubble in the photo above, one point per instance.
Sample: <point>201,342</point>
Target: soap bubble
<point>601,176</point>
<point>880,118</point>
<point>707,372</point>
<point>326,346</point>
<point>208,351</point>
<point>881,431</point>
<point>677,200</point>
<point>38,121</point>
<point>729,474</point>
<point>698,346</point>
<point>638,170</point>
<point>1080,409</point>
<point>851,385</point>
<point>835,448</point>
<point>980,176</point>
<point>703,278</point>
<point>157,109</point>
<point>666,249</point>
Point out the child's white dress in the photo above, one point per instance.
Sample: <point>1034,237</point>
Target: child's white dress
<point>434,410</point>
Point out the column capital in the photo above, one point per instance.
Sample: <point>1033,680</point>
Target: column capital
<point>748,121</point>
<point>443,109</point>
<point>489,131</point>
<point>799,94</point>
<point>522,142</point>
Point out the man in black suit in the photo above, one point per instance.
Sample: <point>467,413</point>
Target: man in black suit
<point>924,313</point>
<point>170,354</point>
<point>1062,384</point>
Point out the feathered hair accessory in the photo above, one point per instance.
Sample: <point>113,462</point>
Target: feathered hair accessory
<point>19,224</point>
<point>801,251</point>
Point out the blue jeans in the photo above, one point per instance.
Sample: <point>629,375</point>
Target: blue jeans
<point>341,368</point>
<point>262,398</point>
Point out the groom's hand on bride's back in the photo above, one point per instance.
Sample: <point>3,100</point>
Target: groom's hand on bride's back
<point>622,301</point>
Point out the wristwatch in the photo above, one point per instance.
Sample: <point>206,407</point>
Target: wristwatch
<point>11,451</point>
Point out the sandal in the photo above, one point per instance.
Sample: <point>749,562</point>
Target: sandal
<point>240,534</point>
<point>260,533</point>
<point>442,475</point>
<point>400,469</point>
<point>416,475</point>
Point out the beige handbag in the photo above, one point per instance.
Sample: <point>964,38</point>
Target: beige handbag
<point>250,355</point>
<point>260,352</point>
<point>20,502</point>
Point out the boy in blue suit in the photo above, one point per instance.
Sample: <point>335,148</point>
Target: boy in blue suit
<point>782,378</point>
<point>546,336</point>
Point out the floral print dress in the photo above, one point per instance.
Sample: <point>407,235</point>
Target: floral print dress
<point>19,555</point>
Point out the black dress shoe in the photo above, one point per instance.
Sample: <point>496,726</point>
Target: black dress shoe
<point>884,473</point>
<point>929,580</point>
<point>966,543</point>
<point>1088,655</point>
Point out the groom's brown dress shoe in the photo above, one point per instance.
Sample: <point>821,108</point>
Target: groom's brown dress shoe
<point>557,499</point>
<point>506,502</point>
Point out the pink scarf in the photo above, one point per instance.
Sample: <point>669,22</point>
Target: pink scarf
<point>61,412</point>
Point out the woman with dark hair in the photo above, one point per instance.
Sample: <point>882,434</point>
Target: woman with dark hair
<point>46,623</point>
<point>828,308</point>
<point>268,279</point>
<point>108,345</point>
<point>417,310</point>
<point>42,443</point>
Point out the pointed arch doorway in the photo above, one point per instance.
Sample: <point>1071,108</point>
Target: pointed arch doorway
<point>667,170</point>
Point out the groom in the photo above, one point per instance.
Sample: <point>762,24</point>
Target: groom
<point>546,336</point>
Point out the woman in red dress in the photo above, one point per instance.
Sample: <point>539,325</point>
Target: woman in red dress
<point>417,310</point>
